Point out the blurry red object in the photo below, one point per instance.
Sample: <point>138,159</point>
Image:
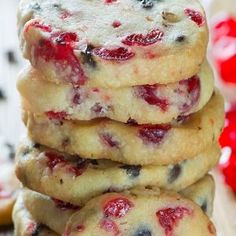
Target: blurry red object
<point>224,48</point>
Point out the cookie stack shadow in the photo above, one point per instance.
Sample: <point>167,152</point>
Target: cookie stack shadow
<point>120,138</point>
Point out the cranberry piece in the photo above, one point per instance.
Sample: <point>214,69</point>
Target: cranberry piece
<point>169,217</point>
<point>80,228</point>
<point>149,94</point>
<point>80,167</point>
<point>195,16</point>
<point>211,228</point>
<point>224,27</point>
<point>31,228</point>
<point>64,205</point>
<point>116,24</point>
<point>150,38</point>
<point>39,25</point>
<point>54,159</point>
<point>59,48</point>
<point>193,88</point>
<point>153,133</point>
<point>56,115</point>
<point>109,140</point>
<point>116,54</point>
<point>110,226</point>
<point>117,207</point>
<point>65,14</point>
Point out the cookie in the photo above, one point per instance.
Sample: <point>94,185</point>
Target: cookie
<point>85,42</point>
<point>130,143</point>
<point>8,182</point>
<point>157,103</point>
<point>78,180</point>
<point>25,225</point>
<point>45,209</point>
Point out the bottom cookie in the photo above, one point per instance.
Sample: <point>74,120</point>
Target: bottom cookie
<point>46,210</point>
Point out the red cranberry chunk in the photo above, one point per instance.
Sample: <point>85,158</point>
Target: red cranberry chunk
<point>195,16</point>
<point>80,228</point>
<point>79,168</point>
<point>117,207</point>
<point>169,218</point>
<point>109,140</point>
<point>110,226</point>
<point>116,24</point>
<point>64,205</point>
<point>194,89</point>
<point>149,94</point>
<point>116,54</point>
<point>5,194</point>
<point>150,38</point>
<point>59,49</point>
<point>153,133</point>
<point>56,115</point>
<point>54,159</point>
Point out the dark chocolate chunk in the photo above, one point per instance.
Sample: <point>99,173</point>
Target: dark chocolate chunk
<point>131,121</point>
<point>180,38</point>
<point>11,149</point>
<point>204,206</point>
<point>37,230</point>
<point>36,145</point>
<point>35,6</point>
<point>143,232</point>
<point>174,173</point>
<point>94,162</point>
<point>131,170</point>
<point>87,56</point>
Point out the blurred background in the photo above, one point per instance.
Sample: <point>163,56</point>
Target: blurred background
<point>222,55</point>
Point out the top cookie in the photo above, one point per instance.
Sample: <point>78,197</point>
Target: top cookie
<point>106,42</point>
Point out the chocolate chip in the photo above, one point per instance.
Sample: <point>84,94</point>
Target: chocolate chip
<point>131,121</point>
<point>57,5</point>
<point>180,38</point>
<point>204,206</point>
<point>35,6</point>
<point>143,232</point>
<point>36,145</point>
<point>94,162</point>
<point>37,230</point>
<point>11,58</point>
<point>174,173</point>
<point>147,4</point>
<point>2,95</point>
<point>25,151</point>
<point>87,56</point>
<point>61,181</point>
<point>132,171</point>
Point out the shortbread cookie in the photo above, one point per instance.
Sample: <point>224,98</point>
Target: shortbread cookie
<point>78,180</point>
<point>37,204</point>
<point>107,43</point>
<point>148,104</point>
<point>143,213</point>
<point>8,182</point>
<point>131,144</point>
<point>25,225</point>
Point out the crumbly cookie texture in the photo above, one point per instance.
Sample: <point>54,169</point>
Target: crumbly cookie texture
<point>25,225</point>
<point>157,103</point>
<point>37,204</point>
<point>77,180</point>
<point>130,143</point>
<point>85,42</point>
<point>8,182</point>
<point>133,214</point>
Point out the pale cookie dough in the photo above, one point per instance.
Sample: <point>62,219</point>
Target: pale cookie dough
<point>146,104</point>
<point>78,180</point>
<point>106,43</point>
<point>131,144</point>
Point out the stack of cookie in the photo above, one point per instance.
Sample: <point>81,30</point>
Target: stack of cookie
<point>122,119</point>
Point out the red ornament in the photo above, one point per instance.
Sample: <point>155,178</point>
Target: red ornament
<point>224,48</point>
